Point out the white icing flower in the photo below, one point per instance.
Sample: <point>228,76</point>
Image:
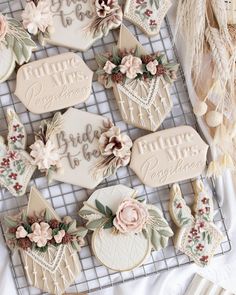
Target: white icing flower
<point>152,67</point>
<point>109,66</point>
<point>59,236</point>
<point>45,155</point>
<point>21,232</point>
<point>131,66</point>
<point>37,18</point>
<point>41,233</point>
<point>3,27</point>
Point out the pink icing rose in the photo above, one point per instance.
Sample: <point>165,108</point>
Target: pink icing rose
<point>41,233</point>
<point>152,67</point>
<point>21,232</point>
<point>131,66</point>
<point>131,216</point>
<point>3,27</point>
<point>109,66</point>
<point>59,236</point>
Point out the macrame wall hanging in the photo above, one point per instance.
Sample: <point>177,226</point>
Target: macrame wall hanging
<point>209,63</point>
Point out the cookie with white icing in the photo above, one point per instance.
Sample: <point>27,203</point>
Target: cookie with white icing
<point>197,236</point>
<point>15,46</point>
<point>80,148</point>
<point>16,168</point>
<point>48,244</point>
<point>72,24</point>
<point>53,83</point>
<point>140,81</point>
<point>147,15</point>
<point>125,229</point>
<point>168,156</point>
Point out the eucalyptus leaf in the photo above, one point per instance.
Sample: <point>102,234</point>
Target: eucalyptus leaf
<point>165,232</point>
<point>17,48</point>
<point>155,240</point>
<point>10,222</point>
<point>163,242</point>
<point>85,212</point>
<point>108,211</point>
<point>100,207</point>
<point>96,223</point>
<point>82,231</point>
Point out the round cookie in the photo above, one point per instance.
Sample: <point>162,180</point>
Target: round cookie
<point>121,251</point>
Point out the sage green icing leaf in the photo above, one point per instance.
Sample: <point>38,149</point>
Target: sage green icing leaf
<point>163,242</point>
<point>28,42</point>
<point>47,215</point>
<point>96,223</point>
<point>82,231</point>
<point>17,49</point>
<point>101,60</point>
<point>10,40</point>
<point>109,223</point>
<point>108,211</point>
<point>24,216</point>
<point>85,212</point>
<point>10,222</point>
<point>166,232</point>
<point>72,227</point>
<point>155,240</point>
<point>100,207</point>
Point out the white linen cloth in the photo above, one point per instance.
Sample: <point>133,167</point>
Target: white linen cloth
<point>222,270</point>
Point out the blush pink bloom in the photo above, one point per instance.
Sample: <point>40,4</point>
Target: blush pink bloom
<point>131,216</point>
<point>109,66</point>
<point>131,66</point>
<point>59,236</point>
<point>152,67</point>
<point>41,233</point>
<point>3,27</point>
<point>21,232</point>
<point>37,17</point>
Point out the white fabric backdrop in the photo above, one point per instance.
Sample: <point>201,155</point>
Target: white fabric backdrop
<point>174,282</point>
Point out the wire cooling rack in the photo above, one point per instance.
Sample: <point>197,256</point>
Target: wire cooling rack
<point>67,199</point>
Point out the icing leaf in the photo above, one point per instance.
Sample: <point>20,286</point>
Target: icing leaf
<point>159,220</point>
<point>82,231</point>
<point>109,223</point>
<point>10,222</point>
<point>100,207</point>
<point>155,240</point>
<point>108,211</point>
<point>98,223</point>
<point>85,212</point>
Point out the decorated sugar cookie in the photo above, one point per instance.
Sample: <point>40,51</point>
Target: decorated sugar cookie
<point>197,235</point>
<point>53,83</point>
<point>147,14</point>
<point>80,148</point>
<point>73,24</point>
<point>169,156</point>
<point>15,46</point>
<point>16,168</point>
<point>125,229</point>
<point>48,244</point>
<point>140,81</point>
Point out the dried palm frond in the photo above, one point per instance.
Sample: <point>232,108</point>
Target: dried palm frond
<point>219,53</point>
<point>219,9</point>
<point>190,23</point>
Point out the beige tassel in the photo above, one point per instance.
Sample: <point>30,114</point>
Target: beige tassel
<point>214,169</point>
<point>226,162</point>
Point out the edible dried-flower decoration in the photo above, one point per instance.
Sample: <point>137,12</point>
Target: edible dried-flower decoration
<point>119,66</point>
<point>115,148</point>
<point>132,216</point>
<point>13,38</point>
<point>43,151</point>
<point>37,19</point>
<point>38,231</point>
<point>108,16</point>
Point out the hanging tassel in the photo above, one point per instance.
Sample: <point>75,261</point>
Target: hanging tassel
<point>226,162</point>
<point>213,170</point>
